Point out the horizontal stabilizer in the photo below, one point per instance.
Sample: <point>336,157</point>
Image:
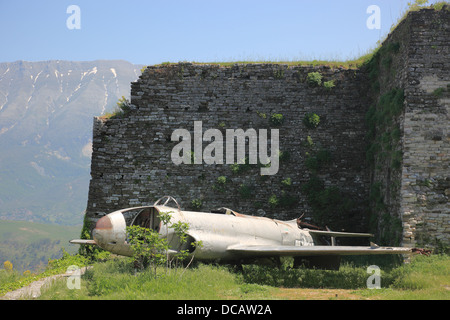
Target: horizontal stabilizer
<point>82,241</point>
<point>295,251</point>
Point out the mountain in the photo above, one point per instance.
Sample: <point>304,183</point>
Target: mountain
<point>46,116</point>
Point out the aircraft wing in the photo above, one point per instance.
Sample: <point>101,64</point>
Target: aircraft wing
<point>82,241</point>
<point>294,251</point>
<point>340,234</point>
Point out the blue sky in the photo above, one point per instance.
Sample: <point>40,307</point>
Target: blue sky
<point>151,32</point>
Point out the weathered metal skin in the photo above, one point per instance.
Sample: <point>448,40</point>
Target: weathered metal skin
<point>218,232</point>
<point>110,234</point>
<point>227,236</point>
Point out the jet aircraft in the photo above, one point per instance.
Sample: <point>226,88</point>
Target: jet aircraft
<point>230,237</point>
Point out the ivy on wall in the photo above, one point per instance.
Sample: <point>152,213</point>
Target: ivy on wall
<point>383,153</point>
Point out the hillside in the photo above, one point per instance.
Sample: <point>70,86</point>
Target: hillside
<point>29,246</point>
<point>46,112</point>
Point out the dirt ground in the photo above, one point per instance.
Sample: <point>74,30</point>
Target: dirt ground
<point>318,294</point>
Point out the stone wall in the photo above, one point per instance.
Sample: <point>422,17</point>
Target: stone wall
<point>425,189</point>
<point>131,163</point>
<point>410,174</point>
<point>325,172</point>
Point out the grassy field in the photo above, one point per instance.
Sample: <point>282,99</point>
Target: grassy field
<point>115,279</point>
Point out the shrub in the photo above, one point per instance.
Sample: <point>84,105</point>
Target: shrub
<point>220,184</point>
<point>278,74</point>
<point>273,201</point>
<point>243,165</point>
<point>287,182</point>
<point>123,107</point>
<point>314,79</point>
<point>150,249</point>
<point>261,114</point>
<point>7,265</point>
<point>309,143</point>
<point>329,84</point>
<point>311,120</point>
<point>196,204</point>
<point>222,180</point>
<point>235,168</point>
<point>276,119</point>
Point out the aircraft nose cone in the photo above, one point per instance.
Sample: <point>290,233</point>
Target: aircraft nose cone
<point>101,229</point>
<point>104,223</point>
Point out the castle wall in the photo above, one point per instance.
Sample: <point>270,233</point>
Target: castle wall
<point>425,189</point>
<point>132,163</point>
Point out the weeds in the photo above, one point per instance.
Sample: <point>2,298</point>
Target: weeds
<point>314,79</point>
<point>123,107</point>
<point>11,279</point>
<point>311,120</point>
<point>276,119</point>
<point>329,84</point>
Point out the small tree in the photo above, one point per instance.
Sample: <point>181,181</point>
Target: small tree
<point>148,248</point>
<point>124,105</point>
<point>181,229</point>
<point>152,250</point>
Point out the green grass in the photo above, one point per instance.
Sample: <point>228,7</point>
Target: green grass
<point>334,64</point>
<point>12,279</point>
<point>116,280</point>
<point>424,278</point>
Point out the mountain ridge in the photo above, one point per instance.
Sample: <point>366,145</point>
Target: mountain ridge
<point>46,115</point>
